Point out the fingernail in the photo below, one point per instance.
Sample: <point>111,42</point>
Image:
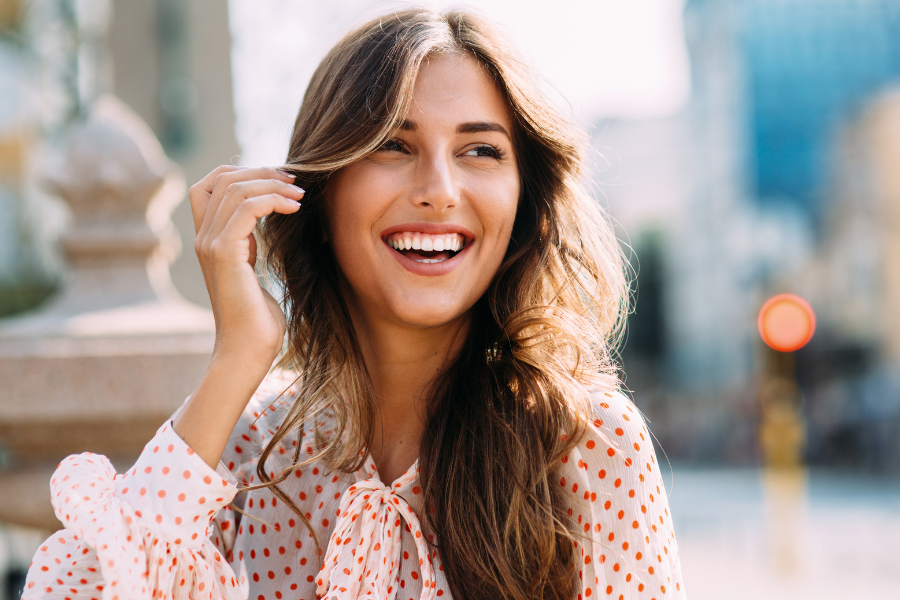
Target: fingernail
<point>300,189</point>
<point>286,174</point>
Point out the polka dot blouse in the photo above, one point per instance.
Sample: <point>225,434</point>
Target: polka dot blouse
<point>167,527</point>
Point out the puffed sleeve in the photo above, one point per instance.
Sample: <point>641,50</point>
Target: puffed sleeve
<point>619,503</point>
<point>162,528</point>
<point>138,535</point>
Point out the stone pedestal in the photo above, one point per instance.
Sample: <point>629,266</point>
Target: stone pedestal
<point>102,365</point>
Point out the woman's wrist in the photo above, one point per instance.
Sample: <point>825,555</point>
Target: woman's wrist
<point>208,418</point>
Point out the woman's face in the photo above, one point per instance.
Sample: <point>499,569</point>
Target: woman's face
<point>420,226</point>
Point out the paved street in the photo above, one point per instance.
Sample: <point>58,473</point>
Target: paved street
<point>743,536</point>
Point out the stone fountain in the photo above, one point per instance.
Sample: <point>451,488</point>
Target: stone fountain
<point>103,364</point>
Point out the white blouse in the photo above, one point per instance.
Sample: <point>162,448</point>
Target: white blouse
<point>166,528</point>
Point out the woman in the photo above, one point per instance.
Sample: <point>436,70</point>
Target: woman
<point>445,421</point>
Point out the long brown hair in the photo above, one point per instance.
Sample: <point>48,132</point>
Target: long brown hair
<point>514,401</point>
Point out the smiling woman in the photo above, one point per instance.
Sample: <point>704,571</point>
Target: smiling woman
<point>450,169</point>
<point>445,417</point>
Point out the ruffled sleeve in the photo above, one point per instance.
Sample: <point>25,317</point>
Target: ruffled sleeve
<point>140,535</point>
<point>619,503</point>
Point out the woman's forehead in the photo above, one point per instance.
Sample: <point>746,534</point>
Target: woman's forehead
<point>452,89</point>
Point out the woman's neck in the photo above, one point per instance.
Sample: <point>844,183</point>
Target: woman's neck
<point>403,362</point>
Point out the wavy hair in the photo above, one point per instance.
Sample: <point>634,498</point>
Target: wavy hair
<point>514,401</point>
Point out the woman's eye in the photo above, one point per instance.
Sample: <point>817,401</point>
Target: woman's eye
<point>486,151</point>
<point>392,146</point>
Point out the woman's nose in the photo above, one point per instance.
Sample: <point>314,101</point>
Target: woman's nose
<point>436,187</point>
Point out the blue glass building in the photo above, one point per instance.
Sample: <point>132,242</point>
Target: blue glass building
<point>810,65</point>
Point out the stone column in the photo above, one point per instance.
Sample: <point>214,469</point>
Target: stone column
<point>102,365</point>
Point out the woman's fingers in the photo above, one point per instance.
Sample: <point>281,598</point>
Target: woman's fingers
<point>200,192</point>
<point>232,245</point>
<point>240,226</point>
<point>226,206</point>
<point>226,179</point>
<point>240,192</point>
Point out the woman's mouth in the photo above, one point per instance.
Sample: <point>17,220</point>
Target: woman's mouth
<point>427,248</point>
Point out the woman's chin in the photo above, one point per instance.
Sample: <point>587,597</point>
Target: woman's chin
<point>429,313</point>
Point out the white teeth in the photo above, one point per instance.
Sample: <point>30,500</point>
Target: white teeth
<point>452,242</point>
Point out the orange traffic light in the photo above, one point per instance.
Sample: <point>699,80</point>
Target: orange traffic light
<point>786,322</point>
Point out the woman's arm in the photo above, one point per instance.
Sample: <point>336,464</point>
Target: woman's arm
<point>145,533</point>
<point>250,325</point>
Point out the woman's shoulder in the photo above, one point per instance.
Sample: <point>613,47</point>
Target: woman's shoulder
<point>269,404</point>
<point>276,391</point>
<point>261,418</point>
<point>615,424</point>
<point>615,406</point>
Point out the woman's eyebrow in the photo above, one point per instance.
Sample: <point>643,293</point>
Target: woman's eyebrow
<point>480,126</point>
<point>468,127</point>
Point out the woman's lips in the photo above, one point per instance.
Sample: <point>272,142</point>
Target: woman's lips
<point>426,248</point>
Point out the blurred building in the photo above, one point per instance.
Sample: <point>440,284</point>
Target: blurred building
<point>771,181</point>
<point>811,65</point>
<point>170,62</point>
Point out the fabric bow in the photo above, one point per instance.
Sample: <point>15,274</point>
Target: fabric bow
<point>363,555</point>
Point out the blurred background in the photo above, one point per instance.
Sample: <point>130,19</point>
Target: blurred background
<point>743,148</point>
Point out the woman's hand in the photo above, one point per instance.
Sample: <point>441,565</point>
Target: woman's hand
<point>226,206</point>
<point>249,323</point>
